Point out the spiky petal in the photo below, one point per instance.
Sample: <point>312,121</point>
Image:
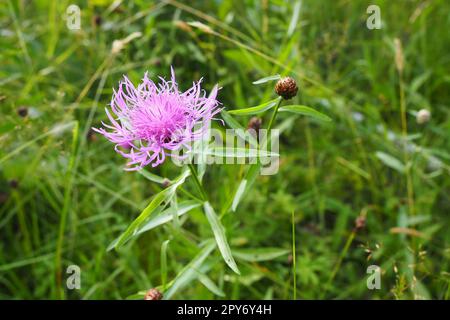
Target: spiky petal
<point>151,121</point>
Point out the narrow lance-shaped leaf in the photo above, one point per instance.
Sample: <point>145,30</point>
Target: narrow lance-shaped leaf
<point>163,259</point>
<point>239,192</point>
<point>209,284</point>
<point>152,177</point>
<point>259,254</point>
<point>219,234</point>
<point>307,111</point>
<point>167,215</point>
<point>233,124</point>
<point>245,185</point>
<point>160,219</point>
<point>267,79</point>
<point>239,152</point>
<point>189,271</point>
<point>257,109</point>
<point>157,200</point>
<point>391,161</point>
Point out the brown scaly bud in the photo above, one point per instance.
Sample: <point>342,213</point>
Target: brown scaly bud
<point>14,183</point>
<point>286,88</point>
<point>97,20</point>
<point>22,111</point>
<point>153,294</point>
<point>3,197</point>
<point>360,223</point>
<point>253,127</point>
<point>92,135</point>
<point>254,123</point>
<point>165,183</point>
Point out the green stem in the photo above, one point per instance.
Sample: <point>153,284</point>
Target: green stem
<point>197,182</point>
<point>274,115</point>
<point>190,195</point>
<point>294,268</point>
<point>339,262</point>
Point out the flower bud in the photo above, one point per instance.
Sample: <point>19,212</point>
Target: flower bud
<point>153,294</point>
<point>286,88</point>
<point>97,20</point>
<point>423,116</point>
<point>254,123</point>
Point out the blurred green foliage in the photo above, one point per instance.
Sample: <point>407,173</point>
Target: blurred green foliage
<point>330,173</point>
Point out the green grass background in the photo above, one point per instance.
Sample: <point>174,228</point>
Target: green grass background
<point>64,198</point>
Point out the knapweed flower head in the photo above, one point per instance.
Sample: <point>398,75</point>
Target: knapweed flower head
<point>152,121</point>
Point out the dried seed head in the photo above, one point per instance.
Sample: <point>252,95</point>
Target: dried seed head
<point>360,223</point>
<point>153,294</point>
<point>286,88</point>
<point>22,111</point>
<point>423,116</point>
<point>183,26</point>
<point>399,61</point>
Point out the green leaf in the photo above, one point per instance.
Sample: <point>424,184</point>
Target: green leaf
<point>157,200</point>
<point>239,192</point>
<point>209,284</point>
<point>255,110</point>
<point>391,161</point>
<point>239,152</point>
<point>164,262</point>
<point>307,111</point>
<point>219,234</point>
<point>167,215</point>
<point>294,20</point>
<point>245,184</point>
<point>152,177</point>
<point>188,273</point>
<point>233,124</point>
<point>267,79</point>
<point>259,254</point>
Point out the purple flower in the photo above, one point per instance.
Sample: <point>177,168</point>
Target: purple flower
<point>151,121</point>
